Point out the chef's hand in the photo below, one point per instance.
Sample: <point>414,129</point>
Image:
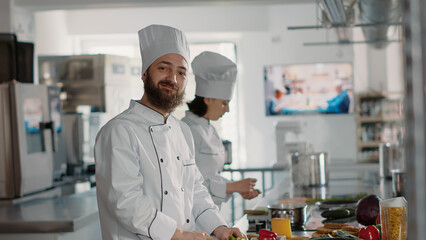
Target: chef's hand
<point>190,235</point>
<point>223,233</point>
<point>251,194</point>
<point>243,187</point>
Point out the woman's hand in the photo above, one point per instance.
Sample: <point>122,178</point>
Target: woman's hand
<point>244,186</point>
<point>251,195</point>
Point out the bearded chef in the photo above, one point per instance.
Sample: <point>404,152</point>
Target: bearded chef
<point>215,77</point>
<point>148,186</point>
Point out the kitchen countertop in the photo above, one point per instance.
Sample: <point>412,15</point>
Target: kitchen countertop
<point>343,182</point>
<point>73,212</point>
<point>49,215</point>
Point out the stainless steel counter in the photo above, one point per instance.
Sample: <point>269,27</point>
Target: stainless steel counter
<point>51,215</point>
<point>343,182</point>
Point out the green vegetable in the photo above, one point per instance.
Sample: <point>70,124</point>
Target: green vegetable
<point>379,227</point>
<point>234,238</point>
<point>325,236</point>
<point>352,210</point>
<point>338,213</point>
<point>346,235</point>
<point>341,235</point>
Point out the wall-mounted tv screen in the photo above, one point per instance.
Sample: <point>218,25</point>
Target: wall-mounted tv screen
<point>309,88</point>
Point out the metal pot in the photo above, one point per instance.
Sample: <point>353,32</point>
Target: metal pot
<point>295,212</point>
<point>309,169</point>
<point>391,157</point>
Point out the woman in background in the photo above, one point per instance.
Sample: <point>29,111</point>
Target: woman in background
<point>215,77</point>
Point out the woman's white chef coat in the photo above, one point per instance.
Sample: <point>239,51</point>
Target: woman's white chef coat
<point>147,180</point>
<point>209,156</point>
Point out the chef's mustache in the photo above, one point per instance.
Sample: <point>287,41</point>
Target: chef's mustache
<point>168,83</point>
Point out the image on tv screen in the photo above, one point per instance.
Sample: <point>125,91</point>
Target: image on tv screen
<point>325,88</point>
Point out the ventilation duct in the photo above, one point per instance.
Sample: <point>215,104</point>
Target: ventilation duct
<point>334,13</point>
<point>376,18</point>
<point>379,13</point>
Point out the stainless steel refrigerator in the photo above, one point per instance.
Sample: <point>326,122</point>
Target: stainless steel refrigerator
<point>94,89</point>
<point>27,139</point>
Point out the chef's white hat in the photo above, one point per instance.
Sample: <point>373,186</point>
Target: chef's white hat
<point>158,40</point>
<point>215,75</point>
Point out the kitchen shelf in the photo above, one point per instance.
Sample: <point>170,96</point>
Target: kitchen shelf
<point>371,144</point>
<point>379,119</point>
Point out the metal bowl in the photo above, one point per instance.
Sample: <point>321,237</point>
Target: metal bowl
<point>295,212</point>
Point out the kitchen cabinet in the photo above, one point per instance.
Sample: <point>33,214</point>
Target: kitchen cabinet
<point>379,120</point>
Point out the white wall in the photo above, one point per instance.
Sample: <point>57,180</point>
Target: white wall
<point>6,19</point>
<point>278,45</point>
<point>262,38</point>
<point>23,24</point>
<point>395,72</point>
<point>52,35</point>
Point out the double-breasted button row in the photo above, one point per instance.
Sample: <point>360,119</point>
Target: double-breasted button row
<point>166,192</point>
<point>162,159</point>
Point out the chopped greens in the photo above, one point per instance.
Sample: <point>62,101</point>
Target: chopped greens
<point>341,235</point>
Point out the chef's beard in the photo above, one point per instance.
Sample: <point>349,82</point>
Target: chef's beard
<point>160,100</point>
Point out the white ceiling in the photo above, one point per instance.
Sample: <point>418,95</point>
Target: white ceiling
<point>39,5</point>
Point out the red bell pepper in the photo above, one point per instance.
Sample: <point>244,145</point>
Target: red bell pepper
<point>369,233</point>
<point>267,235</point>
<point>378,221</point>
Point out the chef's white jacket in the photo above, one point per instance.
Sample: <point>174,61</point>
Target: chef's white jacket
<point>147,180</point>
<point>209,155</point>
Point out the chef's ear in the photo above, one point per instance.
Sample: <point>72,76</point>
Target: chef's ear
<point>145,74</point>
<point>207,101</point>
<point>144,77</point>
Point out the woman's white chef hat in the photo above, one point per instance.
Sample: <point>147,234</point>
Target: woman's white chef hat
<point>215,76</point>
<point>158,40</point>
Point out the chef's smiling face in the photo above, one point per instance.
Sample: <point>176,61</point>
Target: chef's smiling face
<point>216,108</point>
<point>165,81</point>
